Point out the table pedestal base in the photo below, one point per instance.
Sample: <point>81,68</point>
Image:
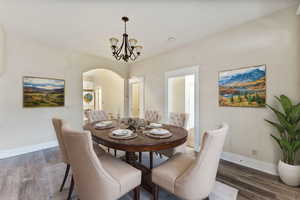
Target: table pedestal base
<point>147,184</point>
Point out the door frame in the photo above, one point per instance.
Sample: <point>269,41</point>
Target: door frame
<point>193,70</point>
<point>140,80</point>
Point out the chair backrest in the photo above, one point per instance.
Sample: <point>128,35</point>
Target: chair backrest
<point>57,124</point>
<point>178,119</point>
<point>96,115</point>
<point>204,170</point>
<point>91,179</point>
<point>152,116</point>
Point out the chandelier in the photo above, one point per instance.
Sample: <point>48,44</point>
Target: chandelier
<point>128,49</point>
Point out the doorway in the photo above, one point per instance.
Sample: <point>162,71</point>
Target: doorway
<point>182,89</point>
<point>104,89</point>
<point>136,97</point>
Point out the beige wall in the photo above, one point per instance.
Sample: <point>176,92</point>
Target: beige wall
<point>177,94</point>
<point>112,87</point>
<point>273,40</point>
<point>20,127</point>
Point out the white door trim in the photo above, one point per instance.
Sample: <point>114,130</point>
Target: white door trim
<point>183,72</point>
<point>140,80</point>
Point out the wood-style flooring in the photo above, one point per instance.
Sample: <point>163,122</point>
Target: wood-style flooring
<point>34,176</point>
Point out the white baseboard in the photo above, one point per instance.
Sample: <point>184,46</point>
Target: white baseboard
<point>250,162</point>
<point>27,149</point>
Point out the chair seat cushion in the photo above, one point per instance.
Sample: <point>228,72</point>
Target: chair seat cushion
<point>171,152</point>
<point>127,176</point>
<point>166,174</point>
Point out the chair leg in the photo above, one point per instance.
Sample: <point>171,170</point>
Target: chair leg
<point>136,193</point>
<point>155,192</point>
<point>71,189</point>
<point>151,159</point>
<point>65,177</point>
<point>207,198</point>
<point>108,150</point>
<point>115,152</point>
<point>140,157</point>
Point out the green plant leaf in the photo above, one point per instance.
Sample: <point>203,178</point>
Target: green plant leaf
<point>276,125</point>
<point>278,141</point>
<point>286,145</point>
<point>295,113</point>
<point>282,118</point>
<point>286,103</point>
<point>296,146</point>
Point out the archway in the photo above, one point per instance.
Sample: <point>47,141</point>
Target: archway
<point>103,89</point>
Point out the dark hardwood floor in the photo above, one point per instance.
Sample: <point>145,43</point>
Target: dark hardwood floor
<point>36,169</point>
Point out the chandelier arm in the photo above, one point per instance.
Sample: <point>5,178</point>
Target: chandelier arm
<point>130,50</point>
<point>133,58</point>
<point>121,47</point>
<point>133,55</point>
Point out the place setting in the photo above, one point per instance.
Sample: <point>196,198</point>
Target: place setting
<point>122,134</point>
<point>104,125</point>
<point>156,131</point>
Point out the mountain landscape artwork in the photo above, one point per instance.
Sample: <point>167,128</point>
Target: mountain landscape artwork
<point>244,87</point>
<point>43,92</point>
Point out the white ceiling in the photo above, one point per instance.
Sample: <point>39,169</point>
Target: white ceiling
<point>86,25</point>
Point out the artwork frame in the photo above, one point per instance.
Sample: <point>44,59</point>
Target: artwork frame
<point>43,92</point>
<point>93,101</point>
<point>243,87</point>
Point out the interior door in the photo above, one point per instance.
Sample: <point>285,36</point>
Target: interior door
<point>135,109</point>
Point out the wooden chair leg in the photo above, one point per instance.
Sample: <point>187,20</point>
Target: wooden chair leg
<point>140,157</point>
<point>108,150</point>
<point>207,198</point>
<point>151,159</point>
<point>136,193</point>
<point>71,189</point>
<point>65,178</point>
<point>115,152</point>
<point>155,192</point>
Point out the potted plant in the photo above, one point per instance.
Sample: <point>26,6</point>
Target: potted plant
<point>288,139</point>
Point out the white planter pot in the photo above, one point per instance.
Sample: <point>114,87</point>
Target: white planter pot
<point>289,174</point>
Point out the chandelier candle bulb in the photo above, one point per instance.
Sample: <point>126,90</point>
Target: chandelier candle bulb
<point>132,42</point>
<point>113,42</point>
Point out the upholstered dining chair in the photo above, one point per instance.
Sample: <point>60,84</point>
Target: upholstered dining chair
<point>57,124</point>
<point>180,120</point>
<point>151,116</point>
<point>98,115</point>
<point>102,177</point>
<point>188,177</point>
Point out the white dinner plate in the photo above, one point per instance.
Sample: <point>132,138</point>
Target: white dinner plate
<point>103,124</point>
<point>122,132</point>
<point>159,131</point>
<point>155,125</point>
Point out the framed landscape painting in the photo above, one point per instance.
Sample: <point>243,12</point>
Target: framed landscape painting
<point>43,92</point>
<point>244,87</point>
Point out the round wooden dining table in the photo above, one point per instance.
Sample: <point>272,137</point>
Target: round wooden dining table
<point>141,143</point>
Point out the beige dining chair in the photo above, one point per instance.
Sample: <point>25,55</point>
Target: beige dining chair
<point>57,124</point>
<point>191,177</point>
<point>103,177</point>
<point>180,120</point>
<point>98,115</point>
<point>151,116</point>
